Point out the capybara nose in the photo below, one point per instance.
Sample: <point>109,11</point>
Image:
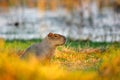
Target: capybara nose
<point>64,39</point>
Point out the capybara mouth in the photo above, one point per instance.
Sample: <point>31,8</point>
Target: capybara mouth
<point>64,40</point>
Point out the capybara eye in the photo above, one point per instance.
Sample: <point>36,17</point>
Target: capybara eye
<point>56,35</point>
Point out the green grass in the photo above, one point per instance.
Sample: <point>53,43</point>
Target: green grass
<point>22,44</point>
<point>67,63</point>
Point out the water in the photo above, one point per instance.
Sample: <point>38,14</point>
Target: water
<point>32,24</point>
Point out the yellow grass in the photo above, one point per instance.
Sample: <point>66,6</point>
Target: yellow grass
<point>67,64</point>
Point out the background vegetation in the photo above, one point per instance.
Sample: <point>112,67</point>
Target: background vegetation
<point>96,20</point>
<point>78,60</point>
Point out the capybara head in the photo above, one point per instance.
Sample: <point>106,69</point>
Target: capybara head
<point>56,39</point>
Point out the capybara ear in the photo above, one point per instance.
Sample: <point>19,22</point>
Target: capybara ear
<point>50,34</point>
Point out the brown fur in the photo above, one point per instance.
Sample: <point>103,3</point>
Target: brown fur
<point>45,49</point>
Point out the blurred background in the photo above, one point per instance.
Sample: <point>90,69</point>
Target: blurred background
<point>95,20</point>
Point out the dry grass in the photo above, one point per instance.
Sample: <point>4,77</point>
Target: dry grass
<point>67,64</point>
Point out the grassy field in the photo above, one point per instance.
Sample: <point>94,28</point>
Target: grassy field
<point>77,60</point>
